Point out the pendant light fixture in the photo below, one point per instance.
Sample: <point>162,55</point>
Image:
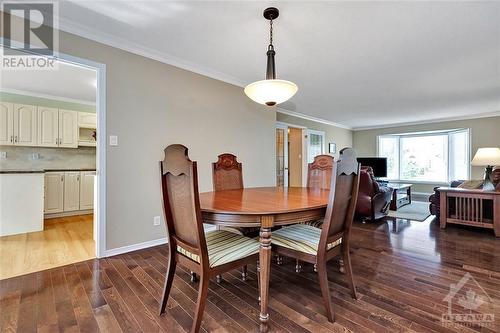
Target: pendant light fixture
<point>271,91</point>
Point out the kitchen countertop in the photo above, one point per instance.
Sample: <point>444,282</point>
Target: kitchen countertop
<point>43,170</point>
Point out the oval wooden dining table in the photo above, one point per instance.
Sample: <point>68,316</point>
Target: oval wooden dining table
<point>264,207</point>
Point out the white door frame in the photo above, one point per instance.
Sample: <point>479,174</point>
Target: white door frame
<point>100,210</point>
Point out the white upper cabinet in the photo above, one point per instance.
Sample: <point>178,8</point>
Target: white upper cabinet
<point>48,127</point>
<point>6,124</point>
<point>25,125</point>
<point>68,129</point>
<point>87,120</point>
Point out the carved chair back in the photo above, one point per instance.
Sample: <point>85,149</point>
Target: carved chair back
<point>227,173</point>
<point>342,199</point>
<point>319,172</point>
<point>181,204</point>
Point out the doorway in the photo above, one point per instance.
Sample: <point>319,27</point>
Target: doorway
<point>291,148</point>
<point>65,143</point>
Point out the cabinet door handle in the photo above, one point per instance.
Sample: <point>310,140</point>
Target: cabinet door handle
<point>62,178</point>
<point>15,138</point>
<point>12,138</point>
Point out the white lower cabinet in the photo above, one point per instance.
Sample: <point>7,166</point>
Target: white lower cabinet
<point>69,191</point>
<point>87,190</point>
<point>54,192</point>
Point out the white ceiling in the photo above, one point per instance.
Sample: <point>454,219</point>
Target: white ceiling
<point>360,64</point>
<point>67,82</point>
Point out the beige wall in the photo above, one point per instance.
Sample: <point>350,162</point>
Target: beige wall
<point>485,132</point>
<point>341,136</point>
<point>150,105</point>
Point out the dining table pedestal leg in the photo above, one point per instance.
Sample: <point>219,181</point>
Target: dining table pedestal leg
<point>265,266</point>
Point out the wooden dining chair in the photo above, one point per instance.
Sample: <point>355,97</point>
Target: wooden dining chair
<point>319,175</point>
<point>317,246</point>
<point>208,254</point>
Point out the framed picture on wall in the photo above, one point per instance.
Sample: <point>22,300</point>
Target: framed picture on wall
<point>332,148</point>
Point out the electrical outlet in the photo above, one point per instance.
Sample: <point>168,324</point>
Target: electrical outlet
<point>3,155</point>
<point>35,156</point>
<point>113,140</point>
<point>156,220</point>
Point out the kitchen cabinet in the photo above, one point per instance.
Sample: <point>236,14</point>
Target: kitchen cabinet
<point>68,129</point>
<point>87,190</point>
<point>6,124</point>
<point>18,124</point>
<point>48,127</point>
<point>87,120</point>
<point>25,124</point>
<point>71,191</point>
<point>54,192</point>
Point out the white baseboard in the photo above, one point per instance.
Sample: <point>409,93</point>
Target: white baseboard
<point>65,214</point>
<point>135,247</point>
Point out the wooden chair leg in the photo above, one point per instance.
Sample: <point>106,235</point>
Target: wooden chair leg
<point>325,291</point>
<point>258,280</point>
<point>194,278</point>
<point>244,273</point>
<point>341,266</point>
<point>169,279</point>
<point>348,272</point>
<point>200,303</point>
<point>298,266</point>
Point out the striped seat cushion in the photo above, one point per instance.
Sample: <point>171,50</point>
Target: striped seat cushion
<point>315,223</point>
<point>224,247</point>
<point>300,237</point>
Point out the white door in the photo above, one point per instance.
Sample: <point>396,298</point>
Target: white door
<point>6,124</point>
<point>54,192</point>
<point>25,125</point>
<point>71,191</point>
<point>87,190</point>
<point>87,120</point>
<point>48,126</point>
<point>68,129</point>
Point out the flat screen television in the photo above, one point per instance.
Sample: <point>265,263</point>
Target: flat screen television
<point>378,164</point>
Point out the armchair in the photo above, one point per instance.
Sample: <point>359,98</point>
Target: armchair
<point>374,199</point>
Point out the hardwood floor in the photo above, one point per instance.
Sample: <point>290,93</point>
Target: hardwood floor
<point>403,271</point>
<point>64,241</point>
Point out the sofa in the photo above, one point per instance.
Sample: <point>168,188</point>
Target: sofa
<point>373,198</point>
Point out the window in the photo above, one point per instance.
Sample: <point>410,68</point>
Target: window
<point>436,157</point>
<point>316,144</point>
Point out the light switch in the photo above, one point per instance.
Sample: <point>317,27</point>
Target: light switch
<point>113,140</point>
<point>156,220</point>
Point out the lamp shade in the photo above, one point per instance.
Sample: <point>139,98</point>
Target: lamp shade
<point>486,157</point>
<point>271,92</point>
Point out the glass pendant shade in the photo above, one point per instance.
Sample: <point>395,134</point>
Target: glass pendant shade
<point>271,92</point>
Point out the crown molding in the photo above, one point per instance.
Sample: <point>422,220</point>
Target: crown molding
<point>47,96</point>
<point>126,45</point>
<point>311,118</point>
<point>440,120</point>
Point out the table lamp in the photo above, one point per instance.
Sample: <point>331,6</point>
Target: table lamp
<point>487,157</point>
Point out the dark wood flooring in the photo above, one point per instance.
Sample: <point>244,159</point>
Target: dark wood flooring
<point>403,272</point>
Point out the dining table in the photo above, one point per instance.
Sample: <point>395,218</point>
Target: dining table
<point>266,208</point>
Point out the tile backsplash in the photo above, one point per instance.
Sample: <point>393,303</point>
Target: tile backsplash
<point>28,158</point>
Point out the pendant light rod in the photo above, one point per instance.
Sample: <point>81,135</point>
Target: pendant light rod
<point>270,14</point>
